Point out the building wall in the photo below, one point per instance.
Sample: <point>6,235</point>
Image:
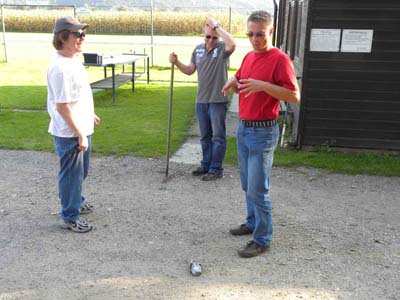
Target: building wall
<point>351,99</point>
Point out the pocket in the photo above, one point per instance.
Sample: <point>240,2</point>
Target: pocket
<point>65,145</point>
<point>268,136</point>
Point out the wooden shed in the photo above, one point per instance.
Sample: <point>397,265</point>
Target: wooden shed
<point>347,57</point>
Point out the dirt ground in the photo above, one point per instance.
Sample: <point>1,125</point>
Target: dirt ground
<point>335,236</point>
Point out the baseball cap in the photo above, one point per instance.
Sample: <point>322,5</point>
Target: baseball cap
<point>68,23</point>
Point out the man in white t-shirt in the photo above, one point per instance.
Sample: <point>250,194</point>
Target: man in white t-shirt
<point>71,109</point>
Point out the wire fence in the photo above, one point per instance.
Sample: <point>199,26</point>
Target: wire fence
<point>127,29</point>
<point>143,25</point>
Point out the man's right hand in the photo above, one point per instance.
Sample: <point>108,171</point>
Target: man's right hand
<point>232,83</point>
<point>83,143</point>
<point>64,109</point>
<point>173,58</point>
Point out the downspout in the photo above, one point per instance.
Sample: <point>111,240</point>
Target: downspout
<point>275,22</point>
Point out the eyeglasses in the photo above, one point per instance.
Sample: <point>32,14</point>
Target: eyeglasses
<point>213,37</point>
<point>257,34</point>
<point>78,34</point>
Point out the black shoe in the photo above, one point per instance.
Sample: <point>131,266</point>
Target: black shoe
<point>241,230</point>
<point>212,176</point>
<point>252,249</point>
<point>199,171</point>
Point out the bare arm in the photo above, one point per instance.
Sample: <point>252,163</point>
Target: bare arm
<point>64,109</point>
<point>230,44</point>
<point>250,86</point>
<point>186,69</point>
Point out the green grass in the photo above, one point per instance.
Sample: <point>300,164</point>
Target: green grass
<point>339,162</point>
<point>33,96</point>
<point>137,123</point>
<point>333,161</point>
<point>25,131</point>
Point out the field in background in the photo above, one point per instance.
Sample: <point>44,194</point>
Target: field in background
<point>131,22</point>
<point>28,52</point>
<point>135,29</point>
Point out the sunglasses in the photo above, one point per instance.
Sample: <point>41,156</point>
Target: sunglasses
<point>78,34</point>
<point>257,34</point>
<point>213,37</point>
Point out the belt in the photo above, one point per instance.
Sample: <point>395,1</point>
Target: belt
<point>259,123</point>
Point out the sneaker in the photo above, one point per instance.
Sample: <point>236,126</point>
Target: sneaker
<point>252,249</point>
<point>86,208</point>
<point>241,230</point>
<point>199,171</point>
<point>79,225</point>
<point>212,176</point>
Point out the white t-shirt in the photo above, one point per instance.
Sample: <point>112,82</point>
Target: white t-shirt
<point>67,82</point>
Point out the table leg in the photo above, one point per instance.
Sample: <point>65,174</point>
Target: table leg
<point>133,76</point>
<point>113,84</point>
<point>148,70</point>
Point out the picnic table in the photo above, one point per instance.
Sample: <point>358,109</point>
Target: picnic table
<point>116,80</point>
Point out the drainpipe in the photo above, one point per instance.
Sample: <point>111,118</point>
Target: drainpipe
<point>275,22</point>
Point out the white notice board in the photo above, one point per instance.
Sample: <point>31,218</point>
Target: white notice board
<point>355,40</point>
<point>325,40</point>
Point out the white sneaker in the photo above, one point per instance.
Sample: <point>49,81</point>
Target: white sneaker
<point>80,225</point>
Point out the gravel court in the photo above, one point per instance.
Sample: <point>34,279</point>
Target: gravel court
<point>335,236</point>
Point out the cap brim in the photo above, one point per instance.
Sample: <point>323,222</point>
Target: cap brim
<point>79,26</point>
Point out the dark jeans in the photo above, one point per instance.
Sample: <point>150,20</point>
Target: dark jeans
<point>211,118</point>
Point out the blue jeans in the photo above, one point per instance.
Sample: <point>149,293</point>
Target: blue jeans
<point>211,118</point>
<point>256,146</point>
<point>74,167</point>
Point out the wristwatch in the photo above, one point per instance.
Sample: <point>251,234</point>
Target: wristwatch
<point>216,25</point>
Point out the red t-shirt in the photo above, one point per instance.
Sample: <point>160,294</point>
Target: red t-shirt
<point>272,66</point>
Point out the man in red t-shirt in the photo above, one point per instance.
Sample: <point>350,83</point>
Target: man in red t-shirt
<point>265,77</point>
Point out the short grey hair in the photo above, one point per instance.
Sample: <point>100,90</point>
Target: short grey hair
<point>260,16</point>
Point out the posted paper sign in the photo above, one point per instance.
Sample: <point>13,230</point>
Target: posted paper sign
<point>354,40</point>
<point>325,40</point>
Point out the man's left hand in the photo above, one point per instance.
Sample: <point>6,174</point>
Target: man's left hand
<point>210,22</point>
<point>96,120</point>
<point>250,86</point>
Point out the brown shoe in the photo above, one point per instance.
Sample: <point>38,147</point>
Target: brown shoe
<point>241,230</point>
<point>252,249</point>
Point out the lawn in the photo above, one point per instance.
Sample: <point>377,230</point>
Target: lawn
<point>137,123</point>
